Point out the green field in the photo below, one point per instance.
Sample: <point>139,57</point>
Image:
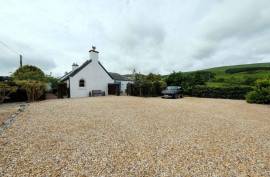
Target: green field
<point>241,78</point>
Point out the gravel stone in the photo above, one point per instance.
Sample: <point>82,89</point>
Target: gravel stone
<point>131,136</point>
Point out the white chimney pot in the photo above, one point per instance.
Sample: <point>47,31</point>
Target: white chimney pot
<point>93,55</point>
<point>74,66</point>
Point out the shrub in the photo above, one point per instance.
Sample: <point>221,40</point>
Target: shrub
<point>146,85</point>
<point>32,80</point>
<point>29,72</point>
<point>260,97</point>
<point>52,81</point>
<point>6,90</point>
<point>148,89</point>
<point>228,92</point>
<point>261,94</point>
<point>34,89</point>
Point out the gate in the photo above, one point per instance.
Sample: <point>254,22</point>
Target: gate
<point>114,89</point>
<point>62,90</point>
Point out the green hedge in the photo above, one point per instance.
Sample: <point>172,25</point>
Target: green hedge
<point>5,90</point>
<point>229,92</point>
<point>35,89</point>
<point>260,97</point>
<point>146,89</point>
<point>247,69</point>
<point>261,94</point>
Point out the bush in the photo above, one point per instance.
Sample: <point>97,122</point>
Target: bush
<point>52,81</point>
<point>35,89</point>
<point>29,72</point>
<point>150,85</point>
<point>146,89</point>
<point>228,92</point>
<point>32,80</point>
<point>5,90</point>
<point>260,97</point>
<point>261,94</point>
<point>146,85</point>
<point>20,95</point>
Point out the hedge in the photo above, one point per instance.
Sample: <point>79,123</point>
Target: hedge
<point>22,90</point>
<point>6,90</point>
<point>35,89</point>
<point>247,69</point>
<point>229,92</point>
<point>261,94</point>
<point>147,89</point>
<point>259,97</point>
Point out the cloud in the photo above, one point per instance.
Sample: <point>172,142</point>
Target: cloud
<point>151,36</point>
<point>233,19</point>
<point>10,63</point>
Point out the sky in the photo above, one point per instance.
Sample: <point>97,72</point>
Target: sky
<point>158,36</point>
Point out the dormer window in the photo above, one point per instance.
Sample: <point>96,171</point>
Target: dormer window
<point>81,83</point>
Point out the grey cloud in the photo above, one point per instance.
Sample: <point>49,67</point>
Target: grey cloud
<point>235,19</point>
<point>9,63</point>
<point>151,36</point>
<point>140,37</point>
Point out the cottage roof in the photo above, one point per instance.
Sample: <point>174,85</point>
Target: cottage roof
<point>119,77</point>
<point>114,76</point>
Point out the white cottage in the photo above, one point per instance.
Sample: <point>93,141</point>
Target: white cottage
<point>91,75</point>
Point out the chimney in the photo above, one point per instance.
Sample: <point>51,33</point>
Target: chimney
<point>74,66</point>
<point>93,55</point>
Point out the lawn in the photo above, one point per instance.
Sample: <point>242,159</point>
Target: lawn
<point>131,136</point>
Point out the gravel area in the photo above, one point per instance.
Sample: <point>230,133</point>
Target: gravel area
<point>6,110</point>
<point>130,136</point>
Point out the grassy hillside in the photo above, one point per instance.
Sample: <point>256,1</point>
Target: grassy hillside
<point>237,78</point>
<point>223,68</point>
<point>247,75</point>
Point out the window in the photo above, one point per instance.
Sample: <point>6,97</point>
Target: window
<point>81,83</point>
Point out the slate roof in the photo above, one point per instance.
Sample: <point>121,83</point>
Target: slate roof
<point>114,76</point>
<point>119,77</point>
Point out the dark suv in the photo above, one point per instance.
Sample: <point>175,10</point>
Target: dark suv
<point>172,92</point>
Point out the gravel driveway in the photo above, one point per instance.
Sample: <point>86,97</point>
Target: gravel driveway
<point>130,136</point>
<point>6,110</point>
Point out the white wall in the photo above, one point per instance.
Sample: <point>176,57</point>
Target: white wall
<point>95,79</point>
<point>124,85</point>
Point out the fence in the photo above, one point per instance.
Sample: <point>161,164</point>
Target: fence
<point>150,89</point>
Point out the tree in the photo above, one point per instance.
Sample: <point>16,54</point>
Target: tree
<point>29,72</point>
<point>188,80</point>
<point>147,85</point>
<point>200,77</point>
<point>53,81</point>
<point>175,79</point>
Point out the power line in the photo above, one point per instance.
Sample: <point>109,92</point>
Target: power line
<point>10,49</point>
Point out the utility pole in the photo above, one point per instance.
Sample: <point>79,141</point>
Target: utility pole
<point>20,61</point>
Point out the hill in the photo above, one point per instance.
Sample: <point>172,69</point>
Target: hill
<point>245,74</point>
